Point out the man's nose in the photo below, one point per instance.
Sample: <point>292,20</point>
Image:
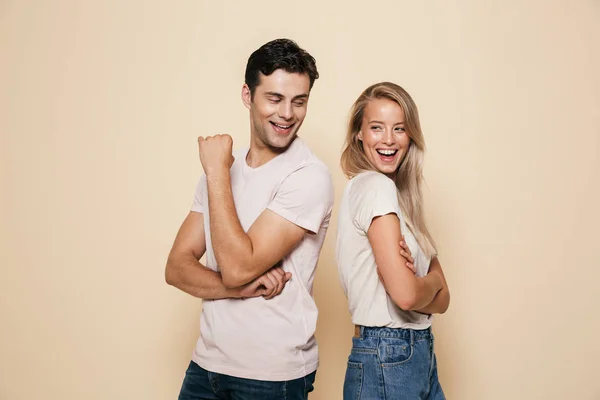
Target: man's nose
<point>285,110</point>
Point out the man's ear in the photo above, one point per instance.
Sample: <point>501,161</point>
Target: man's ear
<point>246,96</point>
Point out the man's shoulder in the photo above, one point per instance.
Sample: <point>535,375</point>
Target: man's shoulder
<point>312,171</point>
<point>303,158</point>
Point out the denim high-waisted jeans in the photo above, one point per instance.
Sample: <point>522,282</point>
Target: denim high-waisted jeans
<point>392,364</point>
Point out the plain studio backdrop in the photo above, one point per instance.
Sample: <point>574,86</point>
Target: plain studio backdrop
<point>102,101</point>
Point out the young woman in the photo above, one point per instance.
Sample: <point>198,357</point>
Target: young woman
<point>391,297</point>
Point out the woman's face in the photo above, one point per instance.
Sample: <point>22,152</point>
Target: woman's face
<point>383,135</point>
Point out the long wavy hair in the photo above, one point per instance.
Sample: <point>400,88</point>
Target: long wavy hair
<point>409,176</point>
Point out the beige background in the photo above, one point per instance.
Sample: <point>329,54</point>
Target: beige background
<point>101,102</point>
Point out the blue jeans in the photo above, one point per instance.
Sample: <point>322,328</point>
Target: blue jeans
<point>394,364</point>
<point>200,384</point>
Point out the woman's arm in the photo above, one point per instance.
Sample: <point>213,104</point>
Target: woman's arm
<point>406,290</point>
<point>441,301</point>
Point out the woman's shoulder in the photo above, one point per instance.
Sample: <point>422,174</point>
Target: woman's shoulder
<point>371,180</point>
<point>370,187</point>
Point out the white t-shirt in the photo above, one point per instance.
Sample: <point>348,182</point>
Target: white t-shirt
<point>270,340</point>
<point>369,195</point>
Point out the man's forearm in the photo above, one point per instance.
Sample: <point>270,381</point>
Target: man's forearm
<point>190,276</point>
<point>231,245</point>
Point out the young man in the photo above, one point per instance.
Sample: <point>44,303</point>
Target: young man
<point>261,216</point>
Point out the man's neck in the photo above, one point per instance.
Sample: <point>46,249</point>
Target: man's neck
<point>260,154</point>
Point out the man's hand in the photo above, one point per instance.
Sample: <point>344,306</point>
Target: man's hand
<point>215,153</point>
<point>268,285</point>
<point>405,252</point>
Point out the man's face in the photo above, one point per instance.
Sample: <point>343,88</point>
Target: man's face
<point>277,108</point>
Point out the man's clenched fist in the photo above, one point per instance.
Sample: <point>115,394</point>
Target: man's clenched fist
<point>215,153</point>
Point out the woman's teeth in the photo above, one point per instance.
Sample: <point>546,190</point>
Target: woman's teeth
<point>387,152</point>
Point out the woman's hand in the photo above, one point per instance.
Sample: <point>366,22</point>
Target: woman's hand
<point>405,252</point>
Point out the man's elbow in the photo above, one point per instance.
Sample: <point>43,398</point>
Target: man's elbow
<point>173,272</point>
<point>170,274</point>
<point>233,278</point>
<point>231,282</point>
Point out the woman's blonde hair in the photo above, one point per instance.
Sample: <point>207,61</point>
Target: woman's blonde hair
<point>409,175</point>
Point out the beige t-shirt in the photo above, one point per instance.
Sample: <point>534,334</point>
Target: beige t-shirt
<point>369,195</point>
<point>270,340</point>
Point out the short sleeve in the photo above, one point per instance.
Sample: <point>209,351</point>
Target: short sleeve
<point>372,195</point>
<point>200,196</point>
<point>305,197</point>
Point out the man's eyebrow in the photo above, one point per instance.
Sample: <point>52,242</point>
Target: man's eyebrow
<point>280,96</point>
<point>274,94</point>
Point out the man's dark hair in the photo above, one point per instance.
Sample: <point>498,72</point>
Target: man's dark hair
<point>279,54</point>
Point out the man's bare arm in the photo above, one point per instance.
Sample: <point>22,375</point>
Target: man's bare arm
<point>183,269</point>
<point>243,256</point>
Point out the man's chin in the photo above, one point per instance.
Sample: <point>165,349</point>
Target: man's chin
<point>280,143</point>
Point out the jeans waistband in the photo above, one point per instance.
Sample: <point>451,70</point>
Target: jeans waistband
<point>384,332</point>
